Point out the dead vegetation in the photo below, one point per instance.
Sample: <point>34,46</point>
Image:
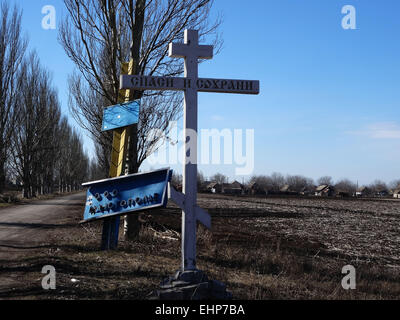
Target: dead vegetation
<point>273,248</point>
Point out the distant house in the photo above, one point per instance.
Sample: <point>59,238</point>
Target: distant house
<point>214,187</point>
<point>382,193</point>
<point>343,193</point>
<point>270,191</point>
<point>232,188</point>
<point>307,191</point>
<point>255,189</point>
<point>286,190</point>
<point>325,191</point>
<point>203,186</point>
<point>396,193</point>
<point>363,192</point>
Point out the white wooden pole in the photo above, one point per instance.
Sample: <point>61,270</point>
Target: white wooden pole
<point>190,169</point>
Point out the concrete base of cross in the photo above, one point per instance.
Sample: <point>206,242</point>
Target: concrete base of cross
<point>190,285</point>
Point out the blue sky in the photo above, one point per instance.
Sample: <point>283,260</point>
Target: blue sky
<point>329,99</point>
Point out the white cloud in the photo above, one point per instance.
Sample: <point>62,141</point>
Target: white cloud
<point>216,117</point>
<point>380,130</point>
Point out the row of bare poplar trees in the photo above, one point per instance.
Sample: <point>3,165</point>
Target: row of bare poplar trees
<point>39,150</point>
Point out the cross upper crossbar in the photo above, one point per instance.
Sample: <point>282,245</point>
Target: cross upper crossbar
<point>191,47</point>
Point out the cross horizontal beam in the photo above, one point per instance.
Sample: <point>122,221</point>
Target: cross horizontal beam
<point>200,84</point>
<point>179,50</point>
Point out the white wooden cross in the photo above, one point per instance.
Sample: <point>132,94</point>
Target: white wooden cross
<point>191,84</point>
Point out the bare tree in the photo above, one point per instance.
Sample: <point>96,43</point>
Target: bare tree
<point>64,133</point>
<point>260,184</point>
<point>95,172</point>
<point>219,178</point>
<point>395,184</point>
<point>12,50</point>
<point>48,143</point>
<point>277,181</point>
<point>327,180</point>
<point>176,179</point>
<point>345,185</point>
<point>73,165</point>
<point>34,123</point>
<point>261,180</point>
<point>378,187</point>
<point>44,148</point>
<point>200,179</point>
<point>298,183</point>
<point>99,36</point>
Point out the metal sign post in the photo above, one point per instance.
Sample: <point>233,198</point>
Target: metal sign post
<point>126,194</point>
<point>109,238</point>
<point>191,84</point>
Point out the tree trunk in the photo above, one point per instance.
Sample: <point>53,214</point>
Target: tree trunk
<point>2,178</point>
<point>132,224</point>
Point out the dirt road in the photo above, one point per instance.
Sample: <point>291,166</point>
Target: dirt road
<point>24,226</point>
<point>24,229</point>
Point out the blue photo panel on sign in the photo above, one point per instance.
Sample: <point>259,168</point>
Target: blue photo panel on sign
<point>120,115</point>
<point>126,194</point>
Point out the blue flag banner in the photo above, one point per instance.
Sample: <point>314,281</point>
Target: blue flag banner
<point>126,194</point>
<point>120,115</point>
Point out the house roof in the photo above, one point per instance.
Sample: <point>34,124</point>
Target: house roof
<point>363,189</point>
<point>212,185</point>
<point>324,187</point>
<point>285,188</point>
<point>321,187</point>
<point>254,185</point>
<point>236,184</point>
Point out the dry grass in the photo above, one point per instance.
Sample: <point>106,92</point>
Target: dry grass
<point>257,261</point>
